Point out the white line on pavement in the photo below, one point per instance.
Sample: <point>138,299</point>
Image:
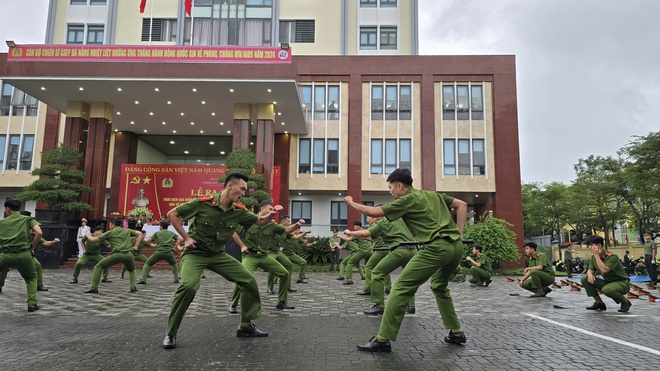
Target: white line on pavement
<point>604,337</point>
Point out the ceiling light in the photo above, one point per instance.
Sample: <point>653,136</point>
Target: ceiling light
<point>211,143</point>
<point>476,195</point>
<point>164,123</point>
<point>181,113</point>
<point>174,131</point>
<point>116,130</point>
<point>201,131</point>
<point>274,102</point>
<point>286,132</point>
<point>186,152</point>
<point>194,89</point>
<point>222,152</point>
<point>299,193</point>
<point>228,131</point>
<point>151,113</point>
<point>203,102</point>
<point>169,102</point>
<point>118,89</point>
<point>340,193</point>
<point>283,124</point>
<point>269,90</point>
<point>251,143</point>
<point>43,88</point>
<point>279,113</point>
<point>118,113</point>
<point>156,89</point>
<point>145,130</point>
<point>198,160</point>
<point>132,122</point>
<point>222,123</point>
<point>212,113</point>
<point>231,90</point>
<point>137,102</point>
<point>81,88</point>
<point>171,142</point>
<point>192,123</point>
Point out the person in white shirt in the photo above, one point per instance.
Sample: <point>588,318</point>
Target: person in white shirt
<point>82,231</point>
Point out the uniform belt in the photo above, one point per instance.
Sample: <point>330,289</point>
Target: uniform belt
<point>10,251</point>
<point>255,252</point>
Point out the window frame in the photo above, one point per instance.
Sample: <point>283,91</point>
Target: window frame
<point>369,31</point>
<point>388,3</point>
<point>307,156</point>
<point>336,223</point>
<point>318,156</point>
<point>449,156</point>
<point>302,203</point>
<point>25,159</point>
<point>95,30</point>
<point>332,167</point>
<point>368,3</point>
<point>386,33</point>
<point>77,30</point>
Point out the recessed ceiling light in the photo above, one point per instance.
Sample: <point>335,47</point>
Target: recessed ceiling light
<point>198,160</point>
<point>201,131</point>
<point>81,88</point>
<point>203,102</point>
<point>186,152</point>
<point>340,193</point>
<point>174,131</point>
<point>151,113</point>
<point>116,130</point>
<point>282,123</point>
<point>269,90</point>
<point>156,89</point>
<point>274,102</point>
<point>164,123</point>
<point>222,123</point>
<point>171,142</point>
<point>251,143</point>
<point>231,90</point>
<point>192,123</point>
<point>279,113</point>
<point>286,132</point>
<point>181,113</point>
<point>132,122</point>
<point>299,193</point>
<point>169,102</point>
<point>228,131</point>
<point>118,113</point>
<point>43,88</point>
<point>222,152</point>
<point>212,113</point>
<point>137,102</point>
<point>211,143</point>
<point>251,123</point>
<point>194,89</point>
<point>118,89</point>
<point>476,195</point>
<point>145,130</point>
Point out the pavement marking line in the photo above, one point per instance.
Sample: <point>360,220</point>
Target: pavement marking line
<point>604,337</point>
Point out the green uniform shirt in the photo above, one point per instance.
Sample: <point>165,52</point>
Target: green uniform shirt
<point>164,240</point>
<point>91,248</point>
<point>425,213</point>
<point>119,238</point>
<point>335,239</point>
<point>485,263</point>
<point>290,246</point>
<point>649,247</point>
<point>392,233</point>
<point>540,259</point>
<point>15,232</point>
<point>350,246</point>
<point>363,244</point>
<point>261,238</point>
<point>568,255</point>
<point>213,227</point>
<point>616,273</point>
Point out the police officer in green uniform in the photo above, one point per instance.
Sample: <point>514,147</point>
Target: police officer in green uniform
<point>481,268</point>
<point>568,261</point>
<point>286,249</point>
<point>216,219</point>
<point>166,241</point>
<point>91,253</point>
<point>379,253</point>
<point>290,249</point>
<point>391,235</point>
<point>276,247</point>
<point>353,248</point>
<point>122,246</point>
<point>255,248</point>
<point>363,251</point>
<point>137,255</point>
<point>16,243</point>
<point>650,252</point>
<point>335,248</point>
<point>615,281</point>
<point>539,271</point>
<point>427,215</point>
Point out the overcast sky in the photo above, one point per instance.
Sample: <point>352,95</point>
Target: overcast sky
<point>588,70</point>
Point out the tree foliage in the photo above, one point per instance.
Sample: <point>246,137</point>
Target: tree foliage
<point>60,184</point>
<point>497,240</point>
<point>244,161</point>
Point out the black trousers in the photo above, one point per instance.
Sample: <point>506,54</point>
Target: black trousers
<point>334,259</point>
<point>569,267</point>
<point>651,268</point>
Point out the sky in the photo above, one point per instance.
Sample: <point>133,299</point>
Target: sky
<point>588,76</point>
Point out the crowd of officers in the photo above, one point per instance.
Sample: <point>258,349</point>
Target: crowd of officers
<point>415,232</point>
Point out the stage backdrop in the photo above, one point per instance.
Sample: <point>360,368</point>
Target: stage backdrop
<point>159,188</point>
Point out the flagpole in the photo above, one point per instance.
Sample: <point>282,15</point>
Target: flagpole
<point>192,22</point>
<point>151,21</point>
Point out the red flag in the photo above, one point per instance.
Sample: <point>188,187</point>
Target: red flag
<point>188,7</point>
<point>143,4</point>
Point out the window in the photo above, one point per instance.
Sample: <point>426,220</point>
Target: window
<point>298,31</point>
<point>5,99</point>
<point>338,215</point>
<point>333,102</point>
<point>478,165</point>
<point>477,105</point>
<point>368,38</point>
<point>449,155</point>
<point>75,34</point>
<point>388,37</point>
<point>161,29</point>
<point>259,2</point>
<point>306,94</point>
<point>95,34</point>
<point>395,155</point>
<point>301,210</point>
<point>478,157</point>
<point>12,154</point>
<point>3,143</point>
<point>18,100</point>
<point>462,99</point>
<point>448,105</point>
<point>222,22</point>
<point>365,221</point>
<point>326,101</point>
<point>318,164</point>
<point>304,156</point>
<point>463,157</point>
<point>78,2</point>
<point>319,102</point>
<point>397,102</point>
<point>97,2</point>
<point>470,101</point>
<point>388,3</point>
<point>319,156</point>
<point>368,3</point>
<point>26,152</point>
<point>333,156</point>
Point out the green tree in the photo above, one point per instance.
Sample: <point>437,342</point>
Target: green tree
<point>244,161</point>
<point>498,241</point>
<point>59,184</point>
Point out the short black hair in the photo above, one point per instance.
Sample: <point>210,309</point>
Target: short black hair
<point>116,221</point>
<point>627,252</point>
<point>164,224</point>
<point>357,222</point>
<point>478,247</point>
<point>26,213</point>
<point>13,204</point>
<point>99,228</point>
<point>531,244</point>
<point>284,217</point>
<point>595,240</point>
<point>234,177</point>
<point>265,203</point>
<point>335,230</point>
<point>401,175</point>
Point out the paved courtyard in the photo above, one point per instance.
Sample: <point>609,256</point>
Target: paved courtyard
<point>119,330</point>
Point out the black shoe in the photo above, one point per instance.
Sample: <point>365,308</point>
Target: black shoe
<point>597,306</point>
<point>284,305</point>
<point>376,346</point>
<point>347,283</point>
<point>302,280</point>
<point>203,276</point>
<point>375,310</point>
<point>410,310</point>
<point>455,338</point>
<point>169,342</point>
<point>75,280</point>
<point>41,288</point>
<point>91,291</point>
<point>232,310</point>
<point>547,290</point>
<point>487,283</point>
<point>340,278</point>
<point>362,278</point>
<point>625,306</point>
<point>291,289</point>
<point>270,292</point>
<point>363,293</point>
<point>133,289</point>
<point>475,285</point>
<point>105,280</point>
<point>387,291</point>
<point>176,281</point>
<point>32,307</point>
<point>538,295</point>
<point>149,276</point>
<point>122,276</point>
<point>140,282</point>
<point>250,331</point>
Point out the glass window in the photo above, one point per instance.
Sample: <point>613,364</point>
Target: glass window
<point>161,29</point>
<point>12,154</point>
<point>95,34</point>
<point>405,153</point>
<point>478,157</point>
<point>477,105</point>
<point>75,34</point>
<point>368,38</point>
<point>388,38</point>
<point>367,3</point>
<point>338,215</point>
<point>18,102</point>
<point>333,102</point>
<point>319,156</point>
<point>301,210</point>
<point>32,104</point>
<point>78,2</point>
<point>390,155</point>
<point>97,2</point>
<point>259,2</point>
<point>388,3</point>
<point>333,156</point>
<point>298,31</point>
<point>304,156</point>
<point>26,153</point>
<point>449,152</point>
<point>5,99</point>
<point>376,156</point>
<point>462,98</point>
<point>306,94</point>
<point>405,99</point>
<point>365,221</point>
<point>3,143</point>
<point>391,102</point>
<point>319,103</point>
<point>463,157</point>
<point>376,102</point>
<point>448,105</point>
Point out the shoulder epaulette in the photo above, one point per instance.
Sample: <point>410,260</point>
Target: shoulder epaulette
<point>608,254</point>
<point>239,206</point>
<point>204,199</point>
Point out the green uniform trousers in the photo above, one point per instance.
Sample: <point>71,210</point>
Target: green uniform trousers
<point>301,263</point>
<point>125,258</point>
<point>84,260</point>
<point>381,274</point>
<point>344,263</point>
<point>158,256</point>
<point>37,268</point>
<point>438,262</point>
<point>373,261</point>
<point>140,258</point>
<point>537,281</point>
<point>479,275</point>
<point>267,262</point>
<point>24,264</point>
<point>192,267</point>
<point>286,263</point>
<point>354,261</point>
<point>615,290</point>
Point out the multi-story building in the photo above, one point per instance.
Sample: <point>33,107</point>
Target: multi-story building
<point>355,103</point>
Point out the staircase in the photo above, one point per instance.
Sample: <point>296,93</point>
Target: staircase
<point>147,251</point>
